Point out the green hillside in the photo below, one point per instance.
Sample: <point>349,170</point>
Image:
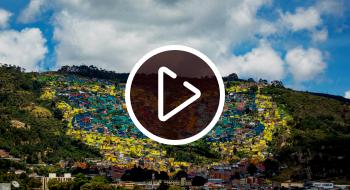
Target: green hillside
<point>320,137</point>
<point>28,127</point>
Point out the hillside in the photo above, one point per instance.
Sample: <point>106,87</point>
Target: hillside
<point>320,134</point>
<point>28,127</point>
<point>285,134</point>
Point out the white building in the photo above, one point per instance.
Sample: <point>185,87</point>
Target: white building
<point>45,180</point>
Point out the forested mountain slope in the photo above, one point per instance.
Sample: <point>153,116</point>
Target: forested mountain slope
<point>28,127</point>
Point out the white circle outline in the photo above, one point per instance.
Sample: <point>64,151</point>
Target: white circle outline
<point>218,111</point>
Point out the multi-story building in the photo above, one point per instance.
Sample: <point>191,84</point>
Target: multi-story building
<point>45,180</point>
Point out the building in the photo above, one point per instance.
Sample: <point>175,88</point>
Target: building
<point>214,184</point>
<point>154,184</point>
<point>18,172</point>
<point>290,184</point>
<point>221,172</point>
<point>323,185</point>
<point>115,173</point>
<point>45,180</point>
<point>126,185</point>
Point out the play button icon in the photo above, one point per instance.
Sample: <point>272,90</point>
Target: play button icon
<point>174,95</point>
<point>195,90</point>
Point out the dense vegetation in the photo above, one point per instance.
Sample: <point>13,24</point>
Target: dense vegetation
<point>81,182</point>
<point>143,174</point>
<point>28,129</point>
<point>25,182</point>
<point>196,152</point>
<point>94,72</point>
<point>318,147</point>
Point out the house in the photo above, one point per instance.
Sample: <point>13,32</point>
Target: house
<point>223,173</point>
<point>115,173</point>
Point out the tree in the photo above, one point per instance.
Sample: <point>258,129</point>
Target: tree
<point>232,77</point>
<point>66,185</point>
<point>277,83</point>
<point>253,89</point>
<point>96,186</point>
<point>236,176</point>
<point>99,179</point>
<point>251,80</point>
<point>271,167</point>
<point>173,187</point>
<point>163,186</point>
<point>162,176</point>
<point>54,184</point>
<point>262,81</point>
<point>34,183</point>
<point>252,169</point>
<point>180,174</point>
<point>198,181</point>
<point>136,187</point>
<point>79,180</point>
<point>137,174</point>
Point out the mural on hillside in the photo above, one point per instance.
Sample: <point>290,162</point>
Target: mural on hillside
<point>96,114</point>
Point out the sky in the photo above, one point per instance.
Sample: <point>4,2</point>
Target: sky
<point>302,43</point>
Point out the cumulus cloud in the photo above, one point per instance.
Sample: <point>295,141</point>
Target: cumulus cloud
<point>244,14</point>
<point>32,11</point>
<point>4,17</point>
<point>320,36</point>
<point>305,64</point>
<point>267,28</point>
<point>347,94</point>
<point>302,19</point>
<point>309,18</point>
<point>331,7</point>
<point>115,34</point>
<point>24,48</point>
<point>262,62</point>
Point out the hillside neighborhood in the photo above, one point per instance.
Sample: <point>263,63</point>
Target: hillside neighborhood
<point>96,114</point>
<point>236,154</point>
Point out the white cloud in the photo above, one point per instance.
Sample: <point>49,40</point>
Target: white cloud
<point>347,94</point>
<point>267,28</point>
<point>4,17</point>
<point>320,36</point>
<point>115,35</point>
<point>302,19</point>
<point>311,18</point>
<point>305,64</point>
<point>24,48</point>
<point>32,11</point>
<point>331,7</point>
<point>262,62</point>
<point>244,14</point>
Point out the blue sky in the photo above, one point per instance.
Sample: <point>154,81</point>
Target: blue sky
<point>303,43</point>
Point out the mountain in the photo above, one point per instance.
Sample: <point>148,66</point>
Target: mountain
<point>72,113</point>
